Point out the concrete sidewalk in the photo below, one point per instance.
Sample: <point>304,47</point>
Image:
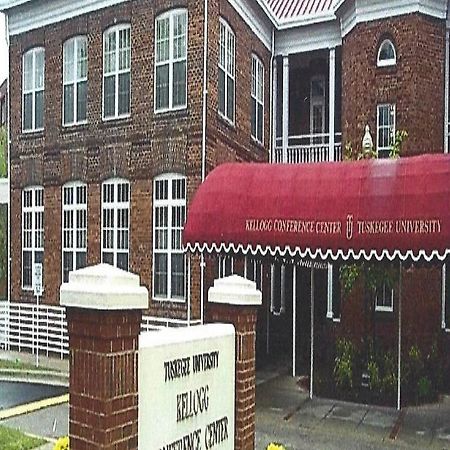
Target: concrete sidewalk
<point>286,415</point>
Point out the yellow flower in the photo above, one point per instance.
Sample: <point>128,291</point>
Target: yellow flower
<point>62,443</point>
<point>275,447</point>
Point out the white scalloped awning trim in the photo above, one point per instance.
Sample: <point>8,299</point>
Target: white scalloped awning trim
<point>317,254</point>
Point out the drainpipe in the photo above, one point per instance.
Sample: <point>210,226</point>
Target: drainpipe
<point>8,168</point>
<point>205,98</point>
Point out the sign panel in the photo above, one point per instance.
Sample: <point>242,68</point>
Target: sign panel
<point>186,388</point>
<point>37,278</point>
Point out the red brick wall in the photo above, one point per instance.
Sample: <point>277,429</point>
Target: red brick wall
<point>415,84</point>
<point>137,148</point>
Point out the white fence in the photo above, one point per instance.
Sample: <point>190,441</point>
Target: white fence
<point>26,327</point>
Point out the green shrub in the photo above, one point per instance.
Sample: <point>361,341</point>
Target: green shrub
<point>424,388</point>
<point>374,375</point>
<point>344,364</point>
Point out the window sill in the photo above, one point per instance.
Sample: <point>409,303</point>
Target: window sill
<point>74,128</point>
<point>116,121</point>
<point>35,134</point>
<point>384,309</point>
<point>168,300</point>
<point>226,121</point>
<point>170,113</point>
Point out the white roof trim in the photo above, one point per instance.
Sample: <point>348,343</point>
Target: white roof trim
<point>318,254</point>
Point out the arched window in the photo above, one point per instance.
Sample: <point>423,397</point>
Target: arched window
<point>387,55</point>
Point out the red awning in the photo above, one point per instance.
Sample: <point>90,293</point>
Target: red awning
<point>367,209</point>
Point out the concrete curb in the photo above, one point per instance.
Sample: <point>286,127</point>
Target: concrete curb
<point>33,406</point>
<point>47,377</point>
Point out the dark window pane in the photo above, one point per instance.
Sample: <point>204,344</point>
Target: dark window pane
<point>26,269</point>
<point>253,117</point>
<point>67,265</point>
<point>230,98</point>
<point>179,84</point>
<point>81,260</point>
<point>108,258</point>
<point>162,87</point>
<point>68,104</point>
<point>160,287</point>
<point>81,101</point>
<point>221,91</point>
<point>110,96</point>
<point>259,134</point>
<point>39,113</point>
<point>28,112</point>
<point>336,286</point>
<point>122,261</point>
<point>124,93</point>
<point>177,279</point>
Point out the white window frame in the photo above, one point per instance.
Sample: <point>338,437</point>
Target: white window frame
<point>172,60</point>
<point>383,307</point>
<point>116,206</point>
<point>257,94</point>
<point>445,325</point>
<point>168,203</point>
<point>76,208</point>
<point>391,128</point>
<point>116,72</point>
<point>253,270</point>
<point>33,91</point>
<point>36,229</point>
<point>386,62</point>
<point>225,266</point>
<point>77,42</point>
<point>228,66</point>
<point>330,297</point>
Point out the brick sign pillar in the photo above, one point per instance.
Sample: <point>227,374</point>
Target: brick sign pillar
<point>235,300</point>
<point>104,311</point>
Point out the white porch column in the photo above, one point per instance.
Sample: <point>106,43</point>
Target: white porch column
<point>274,110</point>
<point>332,100</point>
<point>285,106</point>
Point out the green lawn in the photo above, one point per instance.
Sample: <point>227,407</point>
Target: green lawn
<point>15,440</point>
<point>8,364</point>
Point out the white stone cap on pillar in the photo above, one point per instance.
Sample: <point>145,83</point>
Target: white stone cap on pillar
<point>235,290</point>
<point>103,287</point>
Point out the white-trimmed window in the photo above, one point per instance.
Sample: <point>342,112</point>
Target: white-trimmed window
<point>225,266</point>
<point>117,71</point>
<point>170,60</point>
<point>257,115</point>
<point>75,80</point>
<point>384,300</point>
<point>74,228</point>
<point>387,55</point>
<point>32,232</point>
<point>227,69</point>
<point>169,216</point>
<point>33,89</point>
<point>116,222</point>
<point>445,299</point>
<point>385,128</point>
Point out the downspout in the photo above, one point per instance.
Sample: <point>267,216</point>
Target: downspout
<point>8,168</point>
<point>205,106</point>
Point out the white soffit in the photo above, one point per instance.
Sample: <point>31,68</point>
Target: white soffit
<point>308,38</point>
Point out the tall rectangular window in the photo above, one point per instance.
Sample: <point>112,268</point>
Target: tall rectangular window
<point>384,300</point>
<point>227,43</point>
<point>257,116</point>
<point>170,60</point>
<point>33,90</point>
<point>385,129</point>
<point>117,71</point>
<point>253,271</point>
<point>32,232</point>
<point>334,293</point>
<point>74,228</point>
<point>116,223</point>
<point>75,80</point>
<point>169,215</point>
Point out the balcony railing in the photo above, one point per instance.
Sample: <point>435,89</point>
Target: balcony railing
<point>309,148</point>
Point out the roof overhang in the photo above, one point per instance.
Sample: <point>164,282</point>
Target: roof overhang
<point>373,209</point>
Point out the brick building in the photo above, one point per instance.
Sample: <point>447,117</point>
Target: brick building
<point>120,108</point>
<point>3,103</point>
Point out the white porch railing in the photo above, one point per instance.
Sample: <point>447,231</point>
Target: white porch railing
<point>308,148</point>
<point>25,327</point>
